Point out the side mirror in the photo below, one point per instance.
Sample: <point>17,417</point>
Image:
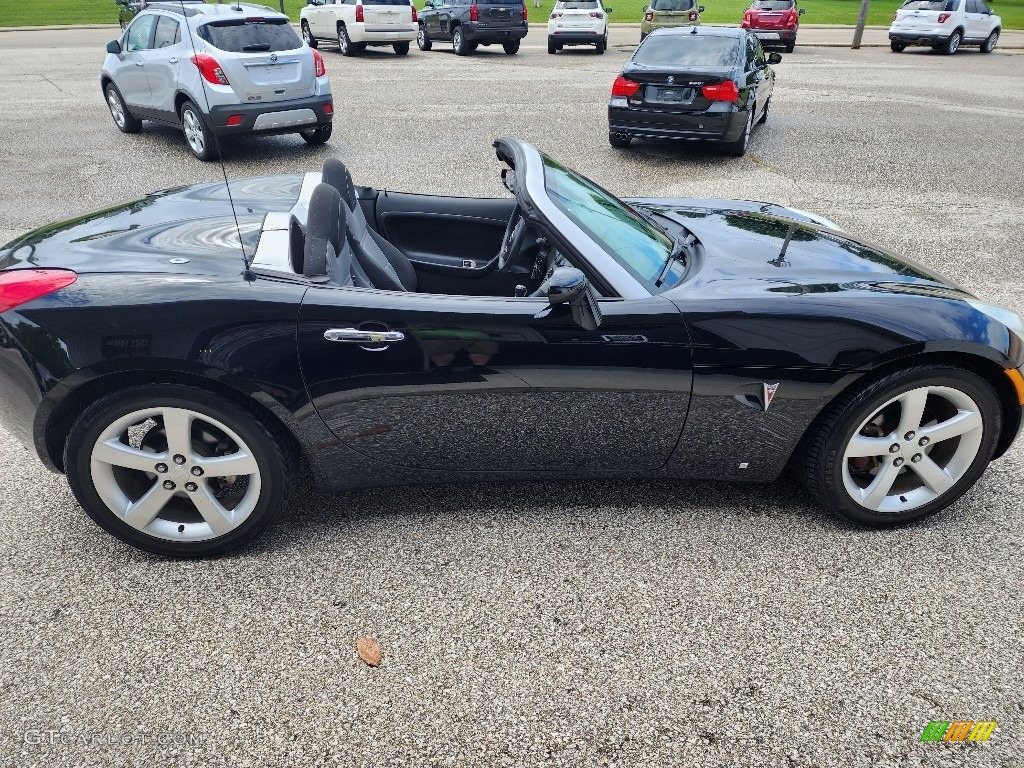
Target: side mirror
<point>429,4</point>
<point>774,58</point>
<point>700,9</point>
<point>801,12</point>
<point>567,285</point>
<point>114,47</point>
<point>607,10</point>
<point>646,9</point>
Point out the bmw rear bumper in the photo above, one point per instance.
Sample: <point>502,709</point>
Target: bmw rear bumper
<point>276,117</point>
<point>701,126</point>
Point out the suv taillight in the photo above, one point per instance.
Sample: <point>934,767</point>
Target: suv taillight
<point>18,286</point>
<point>726,91</point>
<point>746,20</point>
<point>318,62</point>
<point>474,14</point>
<point>649,16</point>
<point>943,17</point>
<point>210,69</point>
<point>624,87</point>
<point>556,15</point>
<point>415,17</point>
<point>791,21</point>
<point>359,13</point>
<point>596,15</point>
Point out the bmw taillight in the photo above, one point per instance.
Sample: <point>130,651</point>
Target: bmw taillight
<point>359,13</point>
<point>624,87</point>
<point>474,14</point>
<point>596,15</point>
<point>318,62</point>
<point>415,17</point>
<point>649,16</point>
<point>210,69</point>
<point>693,15</point>
<point>18,286</point>
<point>726,91</point>
<point>943,17</point>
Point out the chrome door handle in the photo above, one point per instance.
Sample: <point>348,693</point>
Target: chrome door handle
<point>355,336</point>
<point>138,64</point>
<point>172,61</point>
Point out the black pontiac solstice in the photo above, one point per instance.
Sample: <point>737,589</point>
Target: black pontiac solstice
<point>392,338</point>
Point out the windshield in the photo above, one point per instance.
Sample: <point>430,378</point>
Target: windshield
<point>682,50</point>
<point>631,240</point>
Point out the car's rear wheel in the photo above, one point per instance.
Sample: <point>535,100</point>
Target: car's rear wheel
<point>897,46</point>
<point>307,36</point>
<point>344,42</point>
<point>767,109</point>
<point>619,140</point>
<point>790,46</point>
<point>904,447</point>
<point>602,45</point>
<point>318,135</point>
<point>198,136</point>
<point>990,42</point>
<point>511,47</point>
<point>178,471</point>
<point>953,43</point>
<point>422,40</point>
<point>125,121</point>
<point>738,148</point>
<point>459,44</point>
<point>401,49</point>
<point>552,48</point>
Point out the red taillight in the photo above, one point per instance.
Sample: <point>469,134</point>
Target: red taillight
<point>791,21</point>
<point>474,15</point>
<point>318,62</point>
<point>525,17</point>
<point>210,69</point>
<point>596,15</point>
<point>328,109</point>
<point>233,120</point>
<point>415,18</point>
<point>693,15</point>
<point>746,20</point>
<point>359,13</point>
<point>649,16</point>
<point>943,17</point>
<point>18,286</point>
<point>624,87</point>
<point>726,91</point>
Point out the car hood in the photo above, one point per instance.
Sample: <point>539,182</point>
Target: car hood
<point>794,251</point>
<point>194,222</point>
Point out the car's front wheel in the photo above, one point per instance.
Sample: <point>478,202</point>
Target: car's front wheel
<point>897,46</point>
<point>904,447</point>
<point>318,135</point>
<point>125,121</point>
<point>307,36</point>
<point>738,148</point>
<point>178,471</point>
<point>198,136</point>
<point>422,40</point>
<point>990,42</point>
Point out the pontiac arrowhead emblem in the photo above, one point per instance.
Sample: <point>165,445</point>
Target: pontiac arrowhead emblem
<point>769,394</point>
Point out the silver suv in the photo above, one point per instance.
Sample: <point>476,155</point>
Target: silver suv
<point>214,71</point>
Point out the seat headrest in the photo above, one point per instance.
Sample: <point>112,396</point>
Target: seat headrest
<point>336,175</point>
<point>325,231</point>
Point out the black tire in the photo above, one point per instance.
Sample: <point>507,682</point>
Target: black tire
<point>275,459</point>
<point>642,36</point>
<point>767,109</point>
<point>619,141</point>
<point>125,121</point>
<point>459,44</point>
<point>401,49</point>
<point>552,48</point>
<point>345,45</point>
<point>790,46</point>
<point>738,148</point>
<point>511,47</point>
<point>897,46</point>
<point>422,41</point>
<point>602,45</point>
<point>198,136</point>
<point>318,135</point>
<point>821,466</point>
<point>307,36</point>
<point>952,45</point>
<point>990,42</point>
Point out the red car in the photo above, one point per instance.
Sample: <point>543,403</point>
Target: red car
<point>775,22</point>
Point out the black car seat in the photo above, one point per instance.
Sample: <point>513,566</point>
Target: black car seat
<point>326,251</point>
<point>385,266</point>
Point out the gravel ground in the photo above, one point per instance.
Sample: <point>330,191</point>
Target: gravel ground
<point>605,623</point>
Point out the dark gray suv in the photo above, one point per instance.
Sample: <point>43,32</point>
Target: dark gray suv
<point>469,23</point>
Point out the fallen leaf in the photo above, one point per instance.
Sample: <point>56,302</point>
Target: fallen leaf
<point>368,651</point>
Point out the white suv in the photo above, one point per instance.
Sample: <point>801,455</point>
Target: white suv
<point>355,24</point>
<point>578,22</point>
<point>945,25</point>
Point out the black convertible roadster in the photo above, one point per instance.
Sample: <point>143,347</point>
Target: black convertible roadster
<point>175,360</point>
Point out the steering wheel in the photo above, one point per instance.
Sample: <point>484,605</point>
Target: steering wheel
<point>512,242</point>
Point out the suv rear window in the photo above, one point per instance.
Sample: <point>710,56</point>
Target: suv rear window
<point>242,36</point>
<point>930,5</point>
<point>386,2</point>
<point>683,50</point>
<point>772,5</point>
<point>672,5</point>
<point>569,5</point>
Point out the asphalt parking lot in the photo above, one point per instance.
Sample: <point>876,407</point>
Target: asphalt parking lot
<point>598,623</point>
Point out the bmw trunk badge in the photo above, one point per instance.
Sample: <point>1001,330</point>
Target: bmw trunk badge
<point>769,394</point>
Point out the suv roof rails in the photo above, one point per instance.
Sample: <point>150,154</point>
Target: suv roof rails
<point>208,9</point>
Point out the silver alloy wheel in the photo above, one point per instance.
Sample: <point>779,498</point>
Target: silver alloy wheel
<point>954,43</point>
<point>306,37</point>
<point>195,479</point>
<point>457,40</point>
<point>343,41</point>
<point>750,126</point>
<point>116,108</point>
<point>421,36</point>
<point>193,131</point>
<point>990,44</point>
<point>913,449</point>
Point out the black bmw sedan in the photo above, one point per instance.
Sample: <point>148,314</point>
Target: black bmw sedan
<point>695,83</point>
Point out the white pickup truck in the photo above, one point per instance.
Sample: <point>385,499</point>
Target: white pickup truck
<point>355,24</point>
